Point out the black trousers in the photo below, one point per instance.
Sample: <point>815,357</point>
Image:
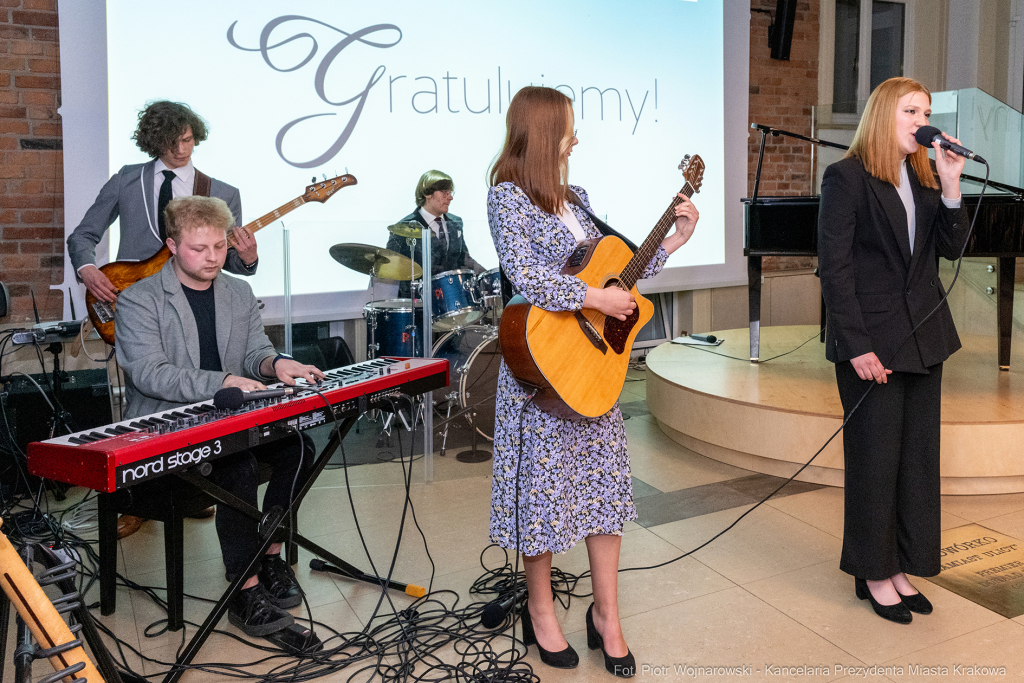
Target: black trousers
<point>290,460</point>
<point>892,499</point>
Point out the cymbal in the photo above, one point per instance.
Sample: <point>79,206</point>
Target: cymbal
<point>376,261</point>
<point>410,229</point>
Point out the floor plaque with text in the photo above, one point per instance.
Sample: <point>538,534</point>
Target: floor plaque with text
<point>984,566</point>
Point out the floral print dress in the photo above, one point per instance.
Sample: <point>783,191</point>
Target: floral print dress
<point>574,477</point>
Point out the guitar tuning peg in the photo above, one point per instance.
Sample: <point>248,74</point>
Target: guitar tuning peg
<point>346,170</point>
<point>324,175</point>
<point>313,180</point>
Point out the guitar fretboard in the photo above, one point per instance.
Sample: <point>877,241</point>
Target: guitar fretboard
<point>638,264</point>
<point>268,218</point>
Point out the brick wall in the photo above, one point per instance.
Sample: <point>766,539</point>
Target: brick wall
<point>781,96</point>
<point>31,160</point>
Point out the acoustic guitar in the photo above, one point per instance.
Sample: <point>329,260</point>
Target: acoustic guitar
<point>577,360</point>
<point>122,274</point>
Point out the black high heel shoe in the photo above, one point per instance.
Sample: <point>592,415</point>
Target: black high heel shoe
<point>916,603</point>
<point>898,613</point>
<point>563,659</point>
<point>623,667</point>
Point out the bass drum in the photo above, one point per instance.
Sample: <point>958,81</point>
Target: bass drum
<point>473,356</point>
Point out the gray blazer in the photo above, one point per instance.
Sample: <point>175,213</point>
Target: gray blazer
<point>158,342</point>
<point>129,194</point>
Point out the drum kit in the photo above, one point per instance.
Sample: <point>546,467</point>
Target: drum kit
<point>466,310</point>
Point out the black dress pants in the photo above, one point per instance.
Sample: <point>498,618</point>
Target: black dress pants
<point>291,460</point>
<point>891,449</point>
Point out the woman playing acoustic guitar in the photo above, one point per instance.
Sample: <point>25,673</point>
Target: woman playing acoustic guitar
<point>557,481</point>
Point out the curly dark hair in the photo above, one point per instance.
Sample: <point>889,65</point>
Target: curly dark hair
<point>162,123</point>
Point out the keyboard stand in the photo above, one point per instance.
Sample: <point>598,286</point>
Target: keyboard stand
<point>268,524</point>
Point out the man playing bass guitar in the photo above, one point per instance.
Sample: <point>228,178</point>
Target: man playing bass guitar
<point>138,194</point>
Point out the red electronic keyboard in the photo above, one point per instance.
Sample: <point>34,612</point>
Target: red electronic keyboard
<point>126,453</point>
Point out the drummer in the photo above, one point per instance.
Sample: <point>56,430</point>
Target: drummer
<point>447,246</point>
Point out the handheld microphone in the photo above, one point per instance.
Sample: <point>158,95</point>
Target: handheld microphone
<point>709,338</point>
<point>925,135</point>
<point>496,610</point>
<point>233,398</point>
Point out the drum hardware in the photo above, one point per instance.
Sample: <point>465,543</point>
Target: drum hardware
<point>473,358</point>
<point>447,418</point>
<point>474,454</point>
<point>469,411</point>
<point>488,294</point>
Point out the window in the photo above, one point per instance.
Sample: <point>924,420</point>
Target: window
<point>866,43</point>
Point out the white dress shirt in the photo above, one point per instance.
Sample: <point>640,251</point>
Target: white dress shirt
<point>431,220</point>
<point>182,184</point>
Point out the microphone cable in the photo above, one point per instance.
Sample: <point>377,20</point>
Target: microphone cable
<point>871,386</point>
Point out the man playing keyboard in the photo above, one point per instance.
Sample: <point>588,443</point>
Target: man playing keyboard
<point>182,335</point>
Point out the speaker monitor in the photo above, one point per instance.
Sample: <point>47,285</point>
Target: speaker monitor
<point>781,38</point>
<point>84,395</point>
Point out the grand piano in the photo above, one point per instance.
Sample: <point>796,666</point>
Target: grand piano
<point>788,226</point>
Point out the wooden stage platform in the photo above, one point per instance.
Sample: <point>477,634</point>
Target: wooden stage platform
<point>771,417</point>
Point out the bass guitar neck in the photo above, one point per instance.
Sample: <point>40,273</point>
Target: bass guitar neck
<point>123,274</point>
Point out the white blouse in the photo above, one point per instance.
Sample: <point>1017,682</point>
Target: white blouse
<point>569,218</point>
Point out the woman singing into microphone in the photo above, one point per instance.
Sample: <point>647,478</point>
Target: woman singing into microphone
<point>884,219</point>
<point>558,481</point>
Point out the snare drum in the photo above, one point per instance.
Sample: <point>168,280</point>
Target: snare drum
<point>473,358</point>
<point>455,302</point>
<point>392,329</point>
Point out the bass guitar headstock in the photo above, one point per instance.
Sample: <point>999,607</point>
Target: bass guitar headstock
<point>322,191</point>
<point>693,171</point>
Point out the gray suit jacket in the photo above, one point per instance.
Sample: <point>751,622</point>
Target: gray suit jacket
<point>129,194</point>
<point>158,342</point>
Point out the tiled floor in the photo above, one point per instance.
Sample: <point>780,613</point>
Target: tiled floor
<point>767,594</point>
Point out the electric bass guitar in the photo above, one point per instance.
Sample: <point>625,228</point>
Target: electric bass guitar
<point>122,274</point>
<point>577,360</point>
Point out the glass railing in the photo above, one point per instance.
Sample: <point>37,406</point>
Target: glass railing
<point>982,123</point>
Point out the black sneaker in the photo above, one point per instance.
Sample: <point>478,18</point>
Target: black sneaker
<point>253,611</point>
<point>279,580</point>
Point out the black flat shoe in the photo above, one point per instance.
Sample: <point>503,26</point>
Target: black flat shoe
<point>564,659</point>
<point>897,613</point>
<point>623,667</point>
<point>916,603</point>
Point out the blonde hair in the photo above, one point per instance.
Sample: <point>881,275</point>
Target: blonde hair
<point>431,182</point>
<point>538,132</point>
<point>189,213</point>
<point>875,142</point>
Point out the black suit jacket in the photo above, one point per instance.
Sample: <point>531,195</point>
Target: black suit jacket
<point>875,290</point>
<point>442,259</point>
